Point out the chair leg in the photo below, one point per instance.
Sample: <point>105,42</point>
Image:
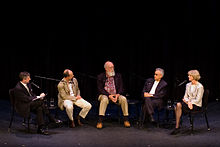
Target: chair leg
<point>142,116</point>
<point>10,124</point>
<point>207,122</point>
<point>28,125</point>
<point>191,122</point>
<point>158,119</point>
<point>119,118</point>
<point>137,115</point>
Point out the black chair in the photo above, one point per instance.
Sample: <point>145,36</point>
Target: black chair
<point>133,103</point>
<point>12,100</point>
<point>202,110</point>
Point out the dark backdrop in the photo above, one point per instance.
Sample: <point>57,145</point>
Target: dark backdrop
<point>137,38</point>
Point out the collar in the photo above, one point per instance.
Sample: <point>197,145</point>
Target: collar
<point>25,85</point>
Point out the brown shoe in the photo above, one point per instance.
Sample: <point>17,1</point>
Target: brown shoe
<point>79,122</point>
<point>99,125</point>
<point>72,124</point>
<point>127,124</point>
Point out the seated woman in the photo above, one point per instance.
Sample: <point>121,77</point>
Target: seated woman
<point>192,99</point>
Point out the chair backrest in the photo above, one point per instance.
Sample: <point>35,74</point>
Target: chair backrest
<point>205,98</point>
<point>12,97</point>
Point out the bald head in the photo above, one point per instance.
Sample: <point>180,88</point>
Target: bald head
<point>109,68</point>
<point>68,74</point>
<point>108,64</point>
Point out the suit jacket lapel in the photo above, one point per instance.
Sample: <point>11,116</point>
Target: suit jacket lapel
<point>25,89</point>
<point>158,86</point>
<point>151,83</point>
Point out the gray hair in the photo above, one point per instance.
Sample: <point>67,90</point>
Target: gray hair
<point>161,71</point>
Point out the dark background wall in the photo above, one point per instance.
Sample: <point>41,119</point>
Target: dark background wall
<point>176,36</point>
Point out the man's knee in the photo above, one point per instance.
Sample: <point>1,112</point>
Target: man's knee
<point>69,107</point>
<point>123,99</point>
<point>88,106</point>
<point>104,99</point>
<point>39,109</point>
<point>147,100</point>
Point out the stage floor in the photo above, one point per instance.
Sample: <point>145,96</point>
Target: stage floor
<point>113,133</point>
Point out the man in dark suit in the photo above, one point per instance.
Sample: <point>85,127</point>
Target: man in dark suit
<point>26,101</point>
<point>110,88</point>
<point>153,94</point>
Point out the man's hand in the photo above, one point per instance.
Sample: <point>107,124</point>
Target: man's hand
<point>113,97</point>
<point>117,95</point>
<point>78,97</point>
<point>146,94</point>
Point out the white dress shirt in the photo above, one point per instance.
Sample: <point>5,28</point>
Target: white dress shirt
<point>71,89</point>
<point>153,89</point>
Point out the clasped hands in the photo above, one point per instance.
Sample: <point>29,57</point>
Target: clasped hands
<point>114,97</point>
<point>146,94</point>
<point>190,105</point>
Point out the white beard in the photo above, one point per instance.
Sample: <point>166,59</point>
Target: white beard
<point>111,74</point>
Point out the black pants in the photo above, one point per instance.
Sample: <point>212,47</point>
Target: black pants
<point>39,109</point>
<point>149,105</point>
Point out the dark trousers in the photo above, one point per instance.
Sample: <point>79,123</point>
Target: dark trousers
<point>149,105</point>
<point>39,109</point>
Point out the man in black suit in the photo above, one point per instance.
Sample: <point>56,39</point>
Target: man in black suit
<point>26,101</point>
<point>153,94</point>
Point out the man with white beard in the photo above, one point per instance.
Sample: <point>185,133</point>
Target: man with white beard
<point>110,88</point>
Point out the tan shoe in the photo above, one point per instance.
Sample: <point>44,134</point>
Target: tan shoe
<point>127,124</point>
<point>99,125</point>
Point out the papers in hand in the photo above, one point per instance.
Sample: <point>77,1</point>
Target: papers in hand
<point>38,97</point>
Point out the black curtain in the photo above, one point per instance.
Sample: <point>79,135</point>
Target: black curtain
<point>176,36</point>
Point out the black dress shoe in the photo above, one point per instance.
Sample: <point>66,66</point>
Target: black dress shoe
<point>175,131</point>
<point>42,131</point>
<point>57,121</point>
<point>151,118</point>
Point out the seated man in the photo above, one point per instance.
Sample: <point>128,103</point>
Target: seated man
<point>26,101</point>
<point>69,95</point>
<point>153,94</point>
<point>110,87</point>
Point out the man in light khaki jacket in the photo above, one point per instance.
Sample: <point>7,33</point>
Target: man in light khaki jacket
<point>69,95</point>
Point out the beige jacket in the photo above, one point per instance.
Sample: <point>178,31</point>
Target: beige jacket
<point>64,92</point>
<point>195,95</point>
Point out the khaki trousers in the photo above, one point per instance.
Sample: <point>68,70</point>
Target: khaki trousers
<point>86,106</point>
<point>104,101</point>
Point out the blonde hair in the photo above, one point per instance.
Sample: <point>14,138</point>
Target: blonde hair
<point>195,74</point>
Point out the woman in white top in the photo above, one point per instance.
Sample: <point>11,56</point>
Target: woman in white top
<point>192,99</point>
